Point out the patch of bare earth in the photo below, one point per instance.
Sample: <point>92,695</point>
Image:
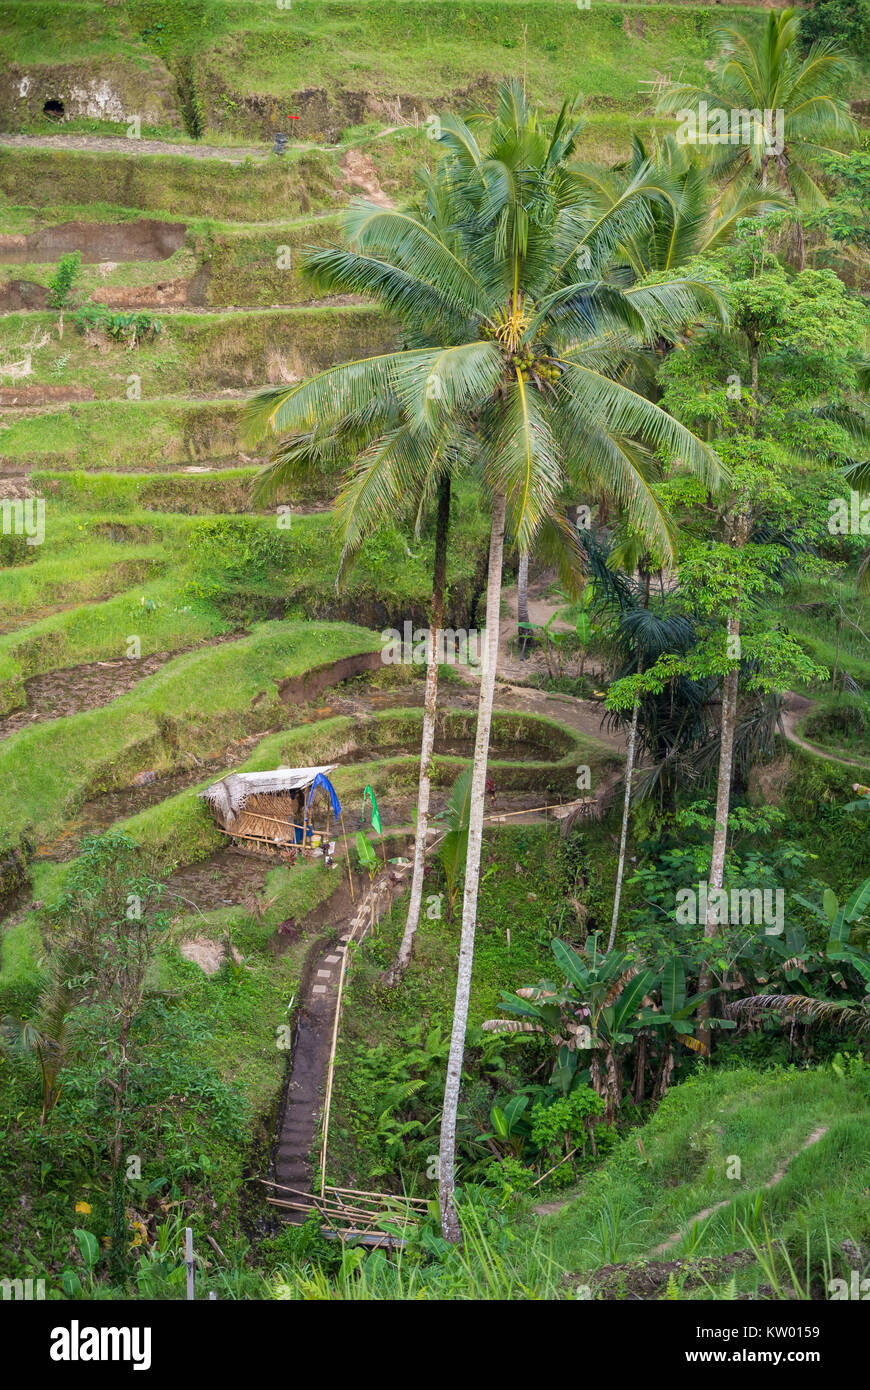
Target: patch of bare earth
<point>647,1281</point>
<point>69,690</point>
<point>358,168</point>
<point>208,954</point>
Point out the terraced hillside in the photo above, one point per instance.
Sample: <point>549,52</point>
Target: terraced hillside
<point>159,630</point>
<point>237,69</point>
<point>165,632</point>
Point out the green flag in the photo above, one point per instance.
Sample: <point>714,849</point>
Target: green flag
<point>368,795</point>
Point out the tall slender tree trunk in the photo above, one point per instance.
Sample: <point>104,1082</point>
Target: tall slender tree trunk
<point>800,244</point>
<point>449,1218</point>
<point>626,808</point>
<point>523,602</point>
<point>629,773</point>
<point>723,806</point>
<point>740,531</point>
<point>436,627</point>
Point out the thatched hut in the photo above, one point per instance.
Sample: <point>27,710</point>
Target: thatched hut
<point>289,808</point>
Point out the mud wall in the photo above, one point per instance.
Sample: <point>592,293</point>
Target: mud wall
<point>104,90</point>
<point>144,240</point>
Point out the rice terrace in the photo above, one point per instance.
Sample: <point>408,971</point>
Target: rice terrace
<point>435,658</point>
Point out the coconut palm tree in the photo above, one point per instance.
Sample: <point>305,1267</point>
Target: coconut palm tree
<point>700,215</point>
<point>518,361</point>
<point>780,103</point>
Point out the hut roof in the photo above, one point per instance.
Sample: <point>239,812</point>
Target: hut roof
<point>228,797</point>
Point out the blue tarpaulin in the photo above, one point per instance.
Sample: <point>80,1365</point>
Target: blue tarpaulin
<point>322,781</point>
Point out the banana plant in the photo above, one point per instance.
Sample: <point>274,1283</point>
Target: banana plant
<point>596,1011</point>
<point>368,860</point>
<point>579,612</point>
<point>551,641</point>
<point>842,922</point>
<point>673,1021</point>
<point>510,1128</point>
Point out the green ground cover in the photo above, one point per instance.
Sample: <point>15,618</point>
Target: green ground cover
<point>643,1195</point>
<point>194,353</point>
<point>150,435</point>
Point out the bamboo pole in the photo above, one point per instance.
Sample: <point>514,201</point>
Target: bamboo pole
<point>555,1166</point>
<point>327,1104</point>
<point>384,1197</point>
<point>526,811</point>
<point>347,857</point>
<point>188,1259</point>
<point>327,1210</point>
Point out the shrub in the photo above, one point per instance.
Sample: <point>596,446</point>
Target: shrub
<point>60,284</point>
<point>846,21</point>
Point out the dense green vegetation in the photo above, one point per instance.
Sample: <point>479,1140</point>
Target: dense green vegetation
<point>278,407</point>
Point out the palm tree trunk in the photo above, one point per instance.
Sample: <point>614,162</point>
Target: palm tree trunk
<point>523,602</point>
<point>800,246</point>
<point>436,626</point>
<point>626,807</point>
<point>449,1218</point>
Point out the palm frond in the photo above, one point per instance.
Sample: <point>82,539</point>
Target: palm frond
<point>812,1011</point>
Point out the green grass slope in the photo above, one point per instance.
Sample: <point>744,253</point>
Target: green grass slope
<point>717,1141</point>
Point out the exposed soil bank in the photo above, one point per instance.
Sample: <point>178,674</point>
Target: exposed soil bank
<point>144,240</point>
<point>17,295</point>
<point>313,683</point>
<point>24,397</point>
<point>165,294</point>
<point>107,88</point>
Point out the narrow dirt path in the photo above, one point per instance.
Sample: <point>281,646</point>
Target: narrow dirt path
<point>360,171</point>
<point>121,144</point>
<point>541,609</point>
<point>584,716</point>
<point>777,1177</point>
<point>299,1124</point>
<point>795,708</point>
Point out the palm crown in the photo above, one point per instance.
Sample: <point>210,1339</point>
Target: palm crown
<point>769,75</point>
<point>519,355</point>
<point>697,216</point>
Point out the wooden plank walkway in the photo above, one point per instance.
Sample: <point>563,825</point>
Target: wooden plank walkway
<point>377,1219</point>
